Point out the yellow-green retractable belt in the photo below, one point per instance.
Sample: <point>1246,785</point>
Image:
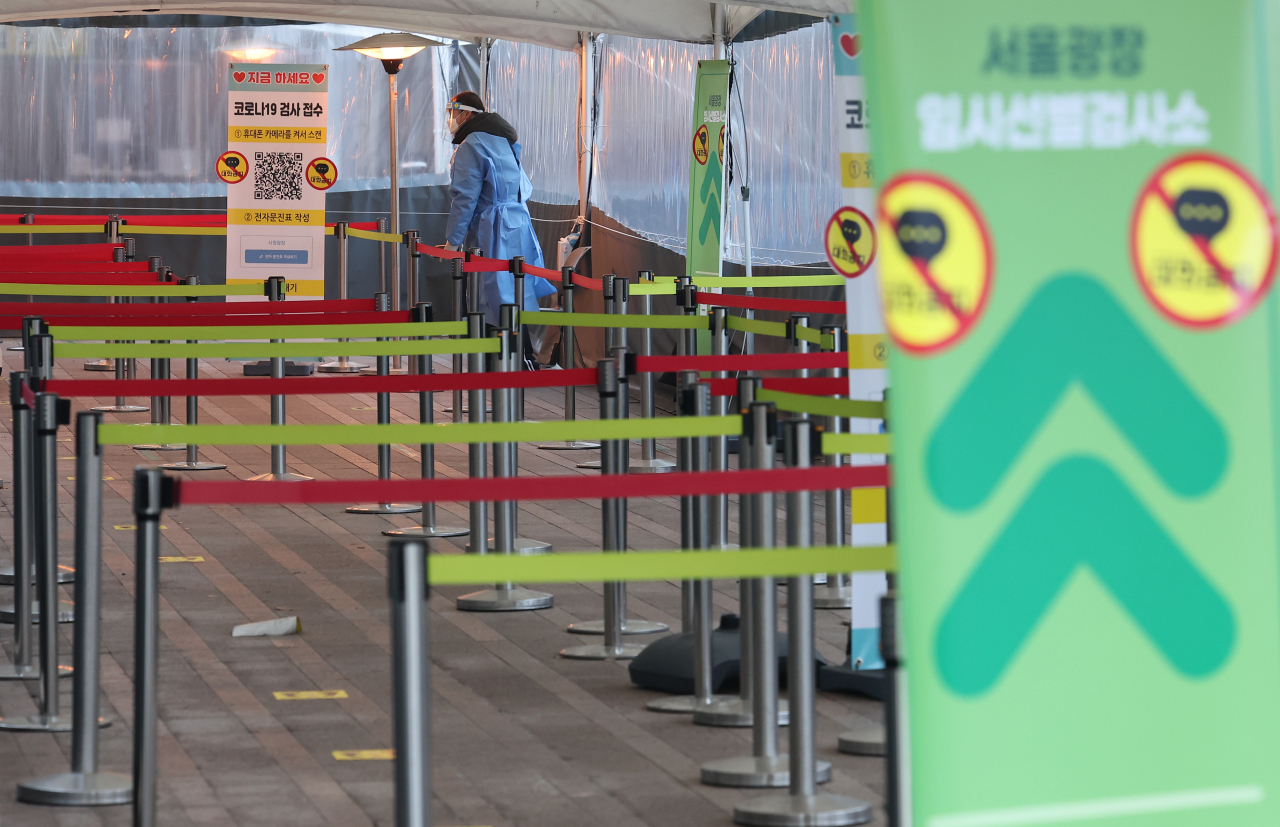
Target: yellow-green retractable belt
<point>270,350</point>
<point>300,331</point>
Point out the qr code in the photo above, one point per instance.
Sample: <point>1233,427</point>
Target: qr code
<point>278,175</point>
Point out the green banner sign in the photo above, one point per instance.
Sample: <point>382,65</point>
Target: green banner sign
<point>1077,250</point>
<point>706,168</point>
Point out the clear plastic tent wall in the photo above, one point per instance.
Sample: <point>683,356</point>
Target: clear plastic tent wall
<point>142,113</point>
<point>784,117</point>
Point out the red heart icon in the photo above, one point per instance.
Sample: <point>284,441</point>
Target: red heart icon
<point>851,44</point>
<point>239,76</point>
<point>318,77</point>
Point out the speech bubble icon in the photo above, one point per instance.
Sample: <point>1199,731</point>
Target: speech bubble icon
<point>323,169</point>
<point>1201,213</point>
<point>851,230</point>
<point>921,234</point>
<point>231,162</point>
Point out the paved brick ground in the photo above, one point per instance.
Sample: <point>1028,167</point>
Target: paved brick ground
<point>521,737</point>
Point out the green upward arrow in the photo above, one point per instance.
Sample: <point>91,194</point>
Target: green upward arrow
<point>1080,513</point>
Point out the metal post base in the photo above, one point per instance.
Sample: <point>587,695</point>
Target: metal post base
<point>868,740</point>
<point>734,712</point>
<point>78,789</point>
<point>754,771</point>
<point>650,466</point>
<point>569,446</point>
<point>833,597</point>
<point>598,651</point>
<point>285,477</point>
<point>384,508</point>
<point>421,531</point>
<point>119,408</point>
<point>193,466</point>
<point>593,465</point>
<point>505,600</point>
<point>66,574</point>
<point>339,367</point>
<point>821,810</point>
<point>100,364</point>
<point>66,612</point>
<point>488,412</point>
<point>42,723</point>
<point>683,704</point>
<point>11,672</point>
<point>165,447</point>
<point>17,348</point>
<point>370,370</point>
<point>630,626</point>
<point>522,547</point>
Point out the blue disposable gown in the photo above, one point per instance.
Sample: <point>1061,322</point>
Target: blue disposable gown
<point>489,189</point>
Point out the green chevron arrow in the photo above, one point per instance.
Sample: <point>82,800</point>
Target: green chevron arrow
<point>1080,514</point>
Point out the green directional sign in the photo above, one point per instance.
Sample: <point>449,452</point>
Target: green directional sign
<point>1085,470</point>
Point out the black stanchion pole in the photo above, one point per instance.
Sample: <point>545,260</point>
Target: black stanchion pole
<point>22,667</point>
<point>193,461</point>
<point>411,673</point>
<point>273,287</point>
<point>343,364</point>
<point>568,360</point>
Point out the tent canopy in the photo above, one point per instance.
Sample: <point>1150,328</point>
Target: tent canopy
<point>554,23</point>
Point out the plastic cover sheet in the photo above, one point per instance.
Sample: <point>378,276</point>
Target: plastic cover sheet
<point>142,113</point>
<point>785,96</point>
<point>536,89</point>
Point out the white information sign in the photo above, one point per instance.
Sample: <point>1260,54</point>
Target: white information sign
<point>277,173</point>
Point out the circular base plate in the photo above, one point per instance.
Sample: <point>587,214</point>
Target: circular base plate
<point>681,704</point>
<point>285,477</point>
<point>753,771</point>
<point>166,447</point>
<point>372,371</point>
<point>819,580</point>
<point>384,508</point>
<point>569,446</point>
<point>733,712</point>
<point>598,651</point>
<point>650,466</point>
<point>18,348</point>
<point>869,740</point>
<point>524,547</point>
<point>194,466</point>
<point>339,367</point>
<point>100,364</point>
<point>66,574</point>
<point>467,412</point>
<point>594,465</point>
<point>66,612</point>
<point>833,597</point>
<point>75,789</point>
<point>10,672</point>
<point>40,723</point>
<point>822,810</point>
<point>420,531</point>
<point>630,626</point>
<point>120,409</point>
<point>505,600</point>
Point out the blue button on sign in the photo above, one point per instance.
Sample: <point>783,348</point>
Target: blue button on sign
<point>275,256</point>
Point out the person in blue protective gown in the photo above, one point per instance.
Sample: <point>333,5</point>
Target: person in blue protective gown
<point>489,190</point>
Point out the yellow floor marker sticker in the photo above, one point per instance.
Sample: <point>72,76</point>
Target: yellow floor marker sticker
<point>936,265</point>
<point>127,527</point>
<point>181,559</point>
<point>311,695</point>
<point>1203,240</point>
<point>364,755</point>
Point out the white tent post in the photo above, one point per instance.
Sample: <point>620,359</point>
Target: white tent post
<point>484,69</point>
<point>586,138</point>
<point>717,31</point>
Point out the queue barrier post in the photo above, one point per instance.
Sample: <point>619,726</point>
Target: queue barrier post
<point>509,318</point>
<point>274,290</point>
<point>84,785</point>
<point>615,292</point>
<point>649,463</point>
<point>29,218</point>
<point>612,385</point>
<point>47,415</point>
<point>477,452</point>
<point>718,504</point>
<point>383,368</point>
<point>343,363</point>
<point>411,680</point>
<point>459,314</point>
<point>568,358</point>
<point>474,285</point>
<point>738,712</point>
<point>836,593</point>
<point>504,597</point>
<point>153,492</point>
<point>125,368</point>
<point>112,231</point>
<point>193,461</point>
<point>422,312</point>
<point>22,667</point>
<point>161,412</point>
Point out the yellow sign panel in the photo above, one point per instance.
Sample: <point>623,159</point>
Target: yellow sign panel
<point>312,695</point>
<point>1203,240</point>
<point>310,287</point>
<point>364,755</point>
<point>937,264</point>
<point>855,170</point>
<point>277,134</point>
<point>867,351</point>
<point>277,218</point>
<point>851,243</point>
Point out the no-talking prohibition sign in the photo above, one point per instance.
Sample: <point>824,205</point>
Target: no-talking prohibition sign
<point>850,242</point>
<point>936,272</point>
<point>1203,240</point>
